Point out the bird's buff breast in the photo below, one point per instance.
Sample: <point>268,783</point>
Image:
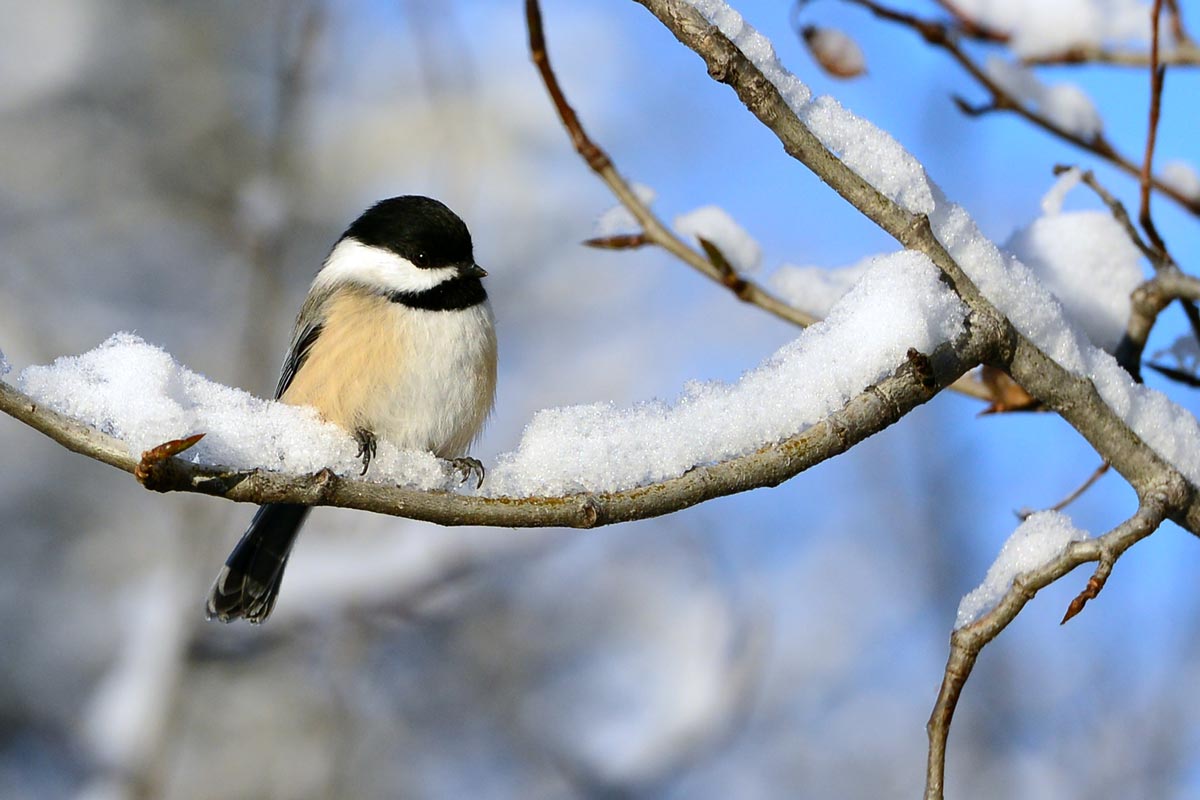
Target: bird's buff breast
<point>423,380</point>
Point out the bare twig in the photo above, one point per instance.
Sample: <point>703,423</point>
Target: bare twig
<point>969,26</point>
<point>653,230</point>
<point>1184,54</point>
<point>1152,297</point>
<point>712,263</point>
<point>1087,484</point>
<point>1177,375</point>
<point>1178,29</point>
<point>1094,585</point>
<point>1096,475</point>
<point>621,241</point>
<point>967,642</point>
<point>1158,74</point>
<point>1120,214</point>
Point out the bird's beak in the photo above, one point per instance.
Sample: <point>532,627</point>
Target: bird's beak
<point>472,271</point>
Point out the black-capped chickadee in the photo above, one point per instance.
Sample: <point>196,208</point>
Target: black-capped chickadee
<point>395,341</point>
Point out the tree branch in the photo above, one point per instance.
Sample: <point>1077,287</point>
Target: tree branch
<point>713,263</point>
<point>1165,493</point>
<point>1184,54</point>
<point>1120,214</point>
<point>70,433</point>
<point>1074,397</point>
<point>653,230</point>
<point>913,383</point>
<point>1150,298</point>
<point>1158,74</point>
<point>969,26</point>
<point>1147,303</point>
<point>966,642</point>
<point>1075,494</point>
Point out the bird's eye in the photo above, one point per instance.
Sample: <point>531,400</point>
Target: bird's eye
<point>420,259</point>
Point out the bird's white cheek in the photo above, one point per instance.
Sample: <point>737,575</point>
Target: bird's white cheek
<point>352,261</point>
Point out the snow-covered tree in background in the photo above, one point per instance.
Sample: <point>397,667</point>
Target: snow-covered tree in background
<point>728,652</point>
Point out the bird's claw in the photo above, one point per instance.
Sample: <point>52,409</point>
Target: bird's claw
<point>466,467</point>
<point>366,447</point>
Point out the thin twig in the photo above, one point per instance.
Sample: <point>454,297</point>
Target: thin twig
<point>1120,214</point>
<point>1074,495</point>
<point>1178,29</point>
<point>654,231</point>
<point>1151,298</point>
<point>967,642</point>
<point>1143,312</point>
<point>620,241</point>
<point>1158,74</point>
<point>1184,54</point>
<point>716,267</point>
<point>1177,375</point>
<point>969,26</point>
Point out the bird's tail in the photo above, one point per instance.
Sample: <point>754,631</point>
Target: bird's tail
<point>249,582</point>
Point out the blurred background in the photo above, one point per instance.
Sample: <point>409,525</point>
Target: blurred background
<point>180,169</point>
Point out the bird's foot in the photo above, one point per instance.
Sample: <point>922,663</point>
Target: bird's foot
<point>366,447</point>
<point>466,467</point>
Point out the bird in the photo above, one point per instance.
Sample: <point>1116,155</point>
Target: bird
<point>395,341</point>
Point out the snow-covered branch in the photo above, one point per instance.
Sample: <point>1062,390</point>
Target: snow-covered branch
<point>971,636</point>
<point>902,202</point>
<point>876,407</point>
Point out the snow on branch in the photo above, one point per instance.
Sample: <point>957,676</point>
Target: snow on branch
<point>836,384</point>
<point>916,379</point>
<point>1039,559</point>
<point>1139,431</point>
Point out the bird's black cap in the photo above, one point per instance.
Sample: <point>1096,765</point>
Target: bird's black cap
<point>420,229</point>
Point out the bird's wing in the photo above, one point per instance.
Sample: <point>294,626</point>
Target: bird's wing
<point>308,328</point>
